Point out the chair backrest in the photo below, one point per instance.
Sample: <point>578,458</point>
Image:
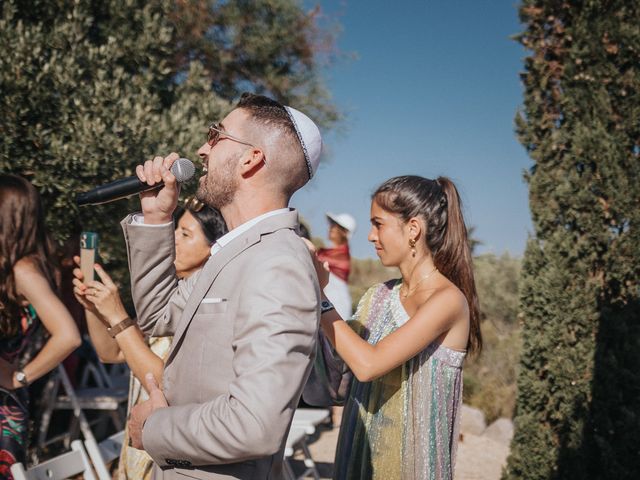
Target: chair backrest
<point>112,401</point>
<point>104,452</point>
<point>119,373</point>
<point>78,413</point>
<point>111,447</point>
<point>96,373</point>
<point>61,467</point>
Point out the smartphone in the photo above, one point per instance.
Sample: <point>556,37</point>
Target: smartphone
<point>88,248</point>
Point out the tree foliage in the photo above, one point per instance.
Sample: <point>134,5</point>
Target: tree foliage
<point>270,44</point>
<point>490,378</point>
<point>89,89</point>
<point>577,412</point>
<point>87,94</point>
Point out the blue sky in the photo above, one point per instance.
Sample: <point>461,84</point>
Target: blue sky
<point>433,90</point>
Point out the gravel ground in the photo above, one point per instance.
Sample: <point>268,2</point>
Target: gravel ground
<point>479,457</point>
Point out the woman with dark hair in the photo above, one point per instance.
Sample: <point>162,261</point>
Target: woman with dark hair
<point>28,299</point>
<point>408,338</point>
<point>197,229</point>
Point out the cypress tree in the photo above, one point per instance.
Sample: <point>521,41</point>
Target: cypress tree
<point>578,405</point>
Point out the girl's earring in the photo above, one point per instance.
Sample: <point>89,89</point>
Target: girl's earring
<point>412,244</point>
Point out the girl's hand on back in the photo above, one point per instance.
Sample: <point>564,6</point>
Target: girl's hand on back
<point>322,269</point>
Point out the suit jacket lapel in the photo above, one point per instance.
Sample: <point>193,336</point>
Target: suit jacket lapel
<point>217,262</point>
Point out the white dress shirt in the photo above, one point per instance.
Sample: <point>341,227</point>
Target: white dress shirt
<point>138,219</point>
<point>239,230</point>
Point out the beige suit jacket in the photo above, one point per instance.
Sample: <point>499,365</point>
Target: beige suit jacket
<point>244,341</point>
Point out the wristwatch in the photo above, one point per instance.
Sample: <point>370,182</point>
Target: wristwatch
<point>326,306</point>
<point>21,378</point>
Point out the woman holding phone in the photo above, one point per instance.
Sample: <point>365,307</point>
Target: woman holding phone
<point>118,339</point>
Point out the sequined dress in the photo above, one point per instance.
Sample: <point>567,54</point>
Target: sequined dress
<point>403,425</point>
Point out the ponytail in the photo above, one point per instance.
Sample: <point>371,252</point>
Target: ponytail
<point>453,259</point>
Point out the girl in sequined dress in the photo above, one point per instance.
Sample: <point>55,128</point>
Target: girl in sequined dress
<point>28,299</point>
<point>408,339</point>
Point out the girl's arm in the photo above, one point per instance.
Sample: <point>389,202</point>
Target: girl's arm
<point>106,347</point>
<point>105,309</point>
<point>128,346</point>
<point>32,285</point>
<point>138,355</point>
<point>368,362</point>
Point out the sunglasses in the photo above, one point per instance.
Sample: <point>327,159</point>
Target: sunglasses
<point>215,132</point>
<point>193,204</point>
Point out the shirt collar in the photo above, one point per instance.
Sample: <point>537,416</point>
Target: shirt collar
<point>236,232</point>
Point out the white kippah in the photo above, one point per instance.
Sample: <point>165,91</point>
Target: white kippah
<point>309,136</point>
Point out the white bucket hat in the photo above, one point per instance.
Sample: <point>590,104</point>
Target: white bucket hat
<point>309,136</point>
<point>343,220</point>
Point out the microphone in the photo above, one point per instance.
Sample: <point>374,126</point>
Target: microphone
<point>182,168</point>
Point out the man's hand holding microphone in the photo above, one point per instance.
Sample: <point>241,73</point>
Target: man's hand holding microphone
<point>158,204</point>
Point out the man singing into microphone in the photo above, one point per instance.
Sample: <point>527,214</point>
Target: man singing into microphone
<point>244,326</point>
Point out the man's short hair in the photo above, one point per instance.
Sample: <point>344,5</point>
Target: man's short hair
<point>266,111</point>
<point>271,114</point>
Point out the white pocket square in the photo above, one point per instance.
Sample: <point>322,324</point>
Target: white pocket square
<point>213,300</point>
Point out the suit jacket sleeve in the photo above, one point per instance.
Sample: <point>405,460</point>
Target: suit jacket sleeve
<point>157,294</point>
<point>274,344</point>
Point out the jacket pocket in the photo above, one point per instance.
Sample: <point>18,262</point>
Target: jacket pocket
<point>218,305</point>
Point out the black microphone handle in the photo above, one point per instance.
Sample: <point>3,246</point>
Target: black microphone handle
<point>115,190</point>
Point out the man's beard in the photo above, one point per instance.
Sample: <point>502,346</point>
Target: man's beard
<point>219,192</point>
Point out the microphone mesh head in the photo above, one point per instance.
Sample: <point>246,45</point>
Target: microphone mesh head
<point>183,169</point>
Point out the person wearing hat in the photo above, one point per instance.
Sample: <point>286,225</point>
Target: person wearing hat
<point>245,325</point>
<point>341,228</point>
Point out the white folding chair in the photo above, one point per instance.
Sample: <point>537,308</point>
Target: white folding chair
<point>61,467</point>
<point>119,374</point>
<point>305,422</point>
<point>95,372</point>
<point>105,452</point>
<point>297,439</point>
<point>310,418</point>
<point>110,400</point>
